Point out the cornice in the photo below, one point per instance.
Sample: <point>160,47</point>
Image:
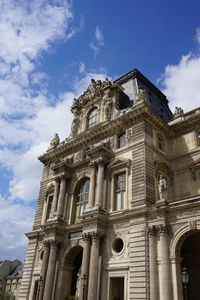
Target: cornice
<point>188,121</point>
<point>140,111</point>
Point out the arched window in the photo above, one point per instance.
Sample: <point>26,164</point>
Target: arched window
<point>92,117</point>
<point>82,197</point>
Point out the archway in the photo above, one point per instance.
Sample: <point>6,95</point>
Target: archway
<point>71,274</point>
<point>190,254</point>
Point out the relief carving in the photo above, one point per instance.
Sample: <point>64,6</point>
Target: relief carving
<point>141,95</point>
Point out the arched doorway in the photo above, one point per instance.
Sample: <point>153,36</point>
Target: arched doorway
<point>71,283</point>
<point>190,262</point>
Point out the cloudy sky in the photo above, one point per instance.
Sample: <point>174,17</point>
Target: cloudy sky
<point>49,51</point>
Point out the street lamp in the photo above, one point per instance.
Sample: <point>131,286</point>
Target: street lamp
<point>185,278</point>
<point>39,285</point>
<point>84,284</point>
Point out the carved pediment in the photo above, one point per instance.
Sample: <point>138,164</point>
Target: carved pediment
<point>120,163</point>
<point>96,90</point>
<point>162,168</point>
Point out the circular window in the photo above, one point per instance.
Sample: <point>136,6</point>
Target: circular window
<point>118,245</point>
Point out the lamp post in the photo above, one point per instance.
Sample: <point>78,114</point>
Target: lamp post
<point>39,282</point>
<point>185,278</point>
<point>84,284</point>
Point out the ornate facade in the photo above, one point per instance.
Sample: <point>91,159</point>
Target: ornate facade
<point>118,211</point>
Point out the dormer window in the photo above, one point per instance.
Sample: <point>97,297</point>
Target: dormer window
<point>92,118</point>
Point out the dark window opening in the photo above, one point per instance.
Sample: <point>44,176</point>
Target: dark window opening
<point>122,140</point>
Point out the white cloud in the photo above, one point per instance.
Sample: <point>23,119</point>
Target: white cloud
<point>98,41</point>
<point>99,36</point>
<point>81,67</point>
<point>182,81</point>
<point>28,118</point>
<point>15,220</point>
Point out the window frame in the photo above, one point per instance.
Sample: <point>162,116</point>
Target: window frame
<point>121,140</point>
<point>49,202</point>
<point>160,143</point>
<point>90,117</point>
<point>120,188</point>
<point>198,137</point>
<point>81,204</point>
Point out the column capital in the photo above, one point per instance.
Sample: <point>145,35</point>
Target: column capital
<point>163,229</point>
<point>101,162</point>
<point>152,230</point>
<point>46,243</point>
<point>96,236</point>
<point>54,243</point>
<point>56,178</point>
<point>86,237</point>
<point>92,164</point>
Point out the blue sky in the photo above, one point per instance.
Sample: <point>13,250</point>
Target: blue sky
<point>49,51</point>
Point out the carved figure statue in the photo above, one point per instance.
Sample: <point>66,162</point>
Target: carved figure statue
<point>178,112</point>
<point>74,127</point>
<point>108,111</point>
<point>54,142</point>
<point>141,95</point>
<point>162,187</point>
<point>78,284</point>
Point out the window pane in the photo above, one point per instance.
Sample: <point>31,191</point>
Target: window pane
<point>118,201</point>
<point>82,197</point>
<point>93,117</point>
<point>122,140</point>
<point>120,192</point>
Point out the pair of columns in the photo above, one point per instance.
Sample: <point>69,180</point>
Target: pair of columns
<point>58,197</point>
<point>96,185</point>
<point>48,269</point>
<point>90,264</point>
<point>162,289</point>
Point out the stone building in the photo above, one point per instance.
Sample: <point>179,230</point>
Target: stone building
<point>118,211</point>
<point>13,281</point>
<point>7,267</point>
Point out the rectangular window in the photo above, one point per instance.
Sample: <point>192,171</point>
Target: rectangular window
<point>160,143</point>
<point>122,140</point>
<point>49,206</point>
<point>116,288</point>
<point>120,191</point>
<point>198,137</point>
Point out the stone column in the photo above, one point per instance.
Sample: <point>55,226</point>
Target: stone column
<point>61,197</point>
<point>55,197</point>
<point>51,270</point>
<point>100,180</point>
<point>177,285</point>
<point>92,186</point>
<point>85,263</point>
<point>165,270</point>
<point>153,270</point>
<point>44,267</point>
<point>94,263</point>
